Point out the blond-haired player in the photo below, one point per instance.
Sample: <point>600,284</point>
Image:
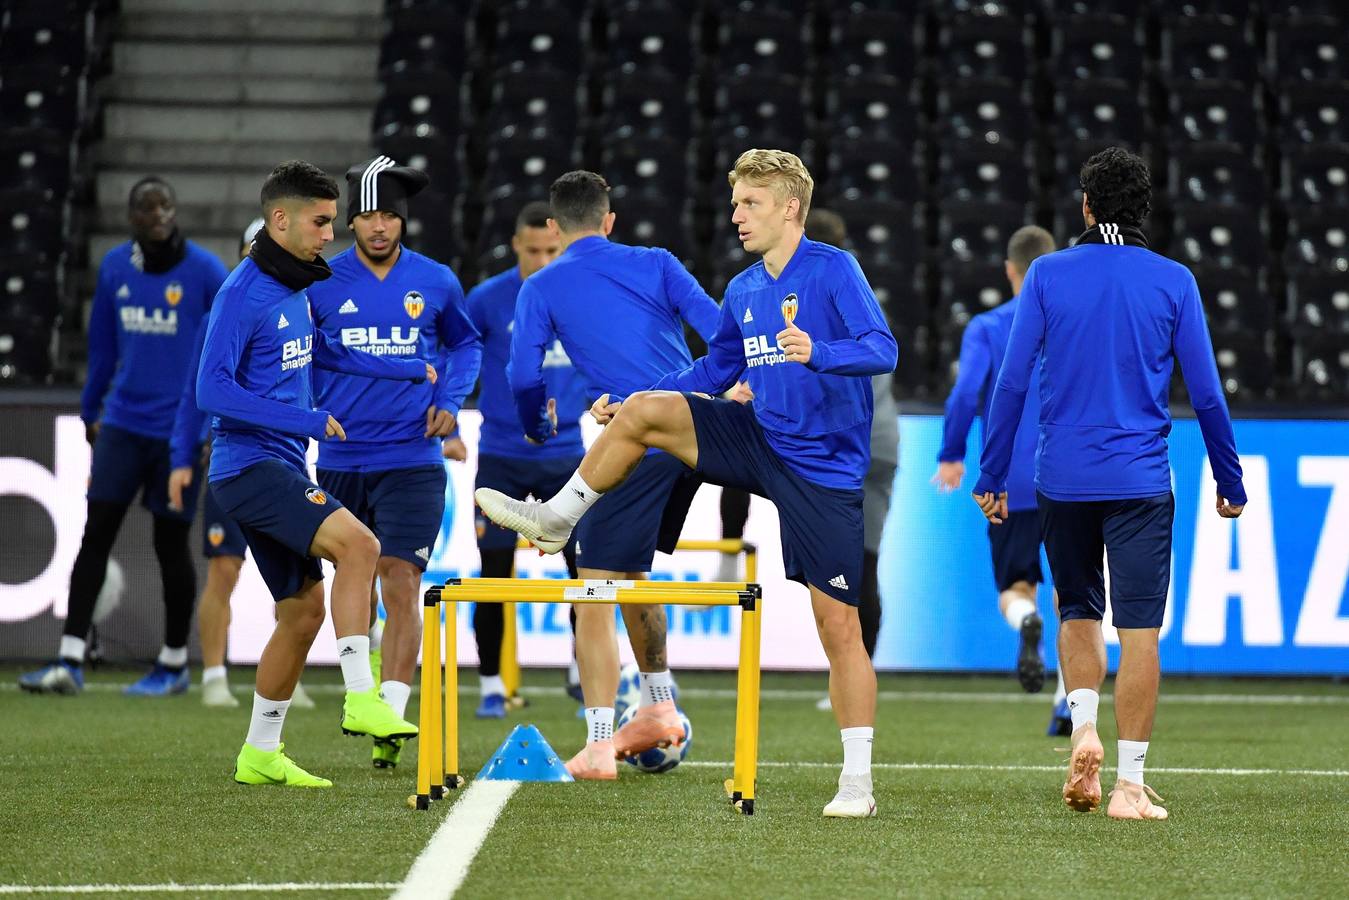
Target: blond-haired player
<point>804,328</point>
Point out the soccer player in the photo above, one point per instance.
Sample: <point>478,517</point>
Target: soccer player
<point>255,381</point>
<point>1015,545</point>
<point>508,462</point>
<point>223,543</point>
<point>385,300</point>
<point>617,311</point>
<point>153,292</point>
<point>806,327</point>
<point>1112,318</point>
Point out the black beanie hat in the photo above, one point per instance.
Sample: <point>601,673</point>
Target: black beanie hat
<point>382,184</point>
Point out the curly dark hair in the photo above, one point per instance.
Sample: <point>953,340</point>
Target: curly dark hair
<point>1118,186</point>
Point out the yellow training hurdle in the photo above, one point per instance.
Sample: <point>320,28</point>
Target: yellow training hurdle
<point>438,756</point>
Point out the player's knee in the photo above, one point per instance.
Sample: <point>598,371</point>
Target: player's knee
<point>839,626</point>
<point>359,545</point>
<point>225,570</point>
<point>399,580</point>
<point>646,411</point>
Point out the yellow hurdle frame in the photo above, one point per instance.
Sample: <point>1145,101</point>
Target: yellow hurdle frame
<point>438,756</point>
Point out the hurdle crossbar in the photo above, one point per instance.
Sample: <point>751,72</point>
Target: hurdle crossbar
<point>438,756</point>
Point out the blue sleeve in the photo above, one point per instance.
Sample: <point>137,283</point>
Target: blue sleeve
<point>531,336</point>
<point>461,346</point>
<point>338,357</point>
<point>189,422</point>
<point>870,348</point>
<point>1194,350</point>
<point>215,276</point>
<point>1009,394</point>
<point>720,369</point>
<point>218,393</point>
<point>690,300</point>
<point>103,350</point>
<point>963,404</point>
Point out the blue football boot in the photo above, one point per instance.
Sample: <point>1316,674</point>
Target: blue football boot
<point>1061,722</point>
<point>493,706</point>
<point>161,682</point>
<point>60,677</point>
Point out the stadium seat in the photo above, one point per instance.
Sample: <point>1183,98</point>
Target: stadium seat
<point>752,109</point>
<point>37,161</point>
<point>899,290</point>
<point>655,168</point>
<point>33,96</point>
<point>418,107</point>
<point>1093,47</point>
<point>994,172</point>
<point>532,36</point>
<point>882,232</point>
<point>1320,303</point>
<point>1225,237</point>
<point>761,42</point>
<point>1209,48</point>
<point>870,43</point>
<point>881,108</point>
<point>1318,238</point>
<point>976,45</point>
<point>431,228</point>
<point>977,231</point>
<point>863,169</point>
<point>1059,10</point>
<point>968,289</point>
<point>25,350</point>
<point>32,229</point>
<point>63,45</point>
<point>526,160</point>
<point>992,110</point>
<point>1236,9</point>
<point>1309,49</point>
<point>1245,367</point>
<point>651,225</point>
<point>537,103</point>
<point>1322,363</point>
<point>1216,111</point>
<point>1316,174</point>
<point>1234,300</point>
<point>645,40</point>
<point>1107,109</point>
<point>1216,173</point>
<point>1316,112</point>
<point>436,155</point>
<point>28,292</point>
<point>424,40</point>
<point>650,105</point>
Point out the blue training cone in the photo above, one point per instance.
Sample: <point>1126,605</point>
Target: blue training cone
<point>525,756</point>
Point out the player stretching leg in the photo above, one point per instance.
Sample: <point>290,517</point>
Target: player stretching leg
<point>617,312</point>
<point>385,300</point>
<point>1103,474</point>
<point>806,327</point>
<point>255,381</point>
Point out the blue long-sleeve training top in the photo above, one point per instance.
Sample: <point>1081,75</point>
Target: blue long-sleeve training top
<point>1108,323</point>
<point>142,330</point>
<point>417,312</point>
<point>816,416</point>
<point>255,372</point>
<point>617,311</point>
<point>491,306</point>
<point>982,349</point>
<point>190,423</point>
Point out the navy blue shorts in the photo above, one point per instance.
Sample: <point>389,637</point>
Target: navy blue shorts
<point>403,507</point>
<point>625,527</point>
<point>1016,549</point>
<point>1135,535</point>
<point>126,464</point>
<point>279,511</point>
<point>518,478</point>
<point>220,535</point>
<point>822,527</point>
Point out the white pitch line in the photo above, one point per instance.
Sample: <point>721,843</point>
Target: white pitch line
<point>444,862</point>
<point>989,767</point>
<point>174,888</point>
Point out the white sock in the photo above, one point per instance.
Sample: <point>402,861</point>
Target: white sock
<point>72,648</point>
<point>264,729</point>
<point>728,567</point>
<point>599,723</point>
<point>212,673</point>
<point>377,635</point>
<point>491,684</point>
<point>1132,755</point>
<point>570,503</point>
<point>1083,703</point>
<point>857,751</point>
<point>573,673</point>
<point>657,687</point>
<point>1017,610</point>
<point>1060,692</point>
<point>173,657</point>
<point>353,653</point>
<point>396,694</point>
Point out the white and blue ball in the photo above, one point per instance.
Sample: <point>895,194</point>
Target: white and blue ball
<point>629,690</point>
<point>659,759</point>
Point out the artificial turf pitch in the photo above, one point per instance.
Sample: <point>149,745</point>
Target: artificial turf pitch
<point>104,789</point>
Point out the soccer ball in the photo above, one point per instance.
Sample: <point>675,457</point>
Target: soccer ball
<point>629,689</point>
<point>659,759</point>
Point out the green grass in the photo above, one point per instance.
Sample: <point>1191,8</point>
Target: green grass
<point>105,789</point>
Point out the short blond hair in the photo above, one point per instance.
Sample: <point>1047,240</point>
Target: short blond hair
<point>779,170</point>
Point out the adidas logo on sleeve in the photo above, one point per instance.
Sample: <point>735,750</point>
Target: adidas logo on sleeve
<point>282,322</point>
<point>749,316</point>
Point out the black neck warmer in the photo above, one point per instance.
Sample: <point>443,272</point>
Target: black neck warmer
<point>157,257</point>
<point>286,268</point>
<point>1117,235</point>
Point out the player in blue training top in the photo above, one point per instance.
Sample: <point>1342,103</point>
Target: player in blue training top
<point>385,300</point>
<point>617,311</point>
<point>1112,318</point>
<point>507,461</point>
<point>255,381</point>
<point>806,327</point>
<point>152,294</point>
<point>1015,545</point>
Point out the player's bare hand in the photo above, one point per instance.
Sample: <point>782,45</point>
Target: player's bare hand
<point>994,507</point>
<point>795,343</point>
<point>91,433</point>
<point>334,429</point>
<point>179,479</point>
<point>551,412</point>
<point>439,422</point>
<point>454,448</point>
<point>949,475</point>
<point>603,411</point>
<point>431,374</point>
<point>741,393</point>
<point>1229,510</point>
